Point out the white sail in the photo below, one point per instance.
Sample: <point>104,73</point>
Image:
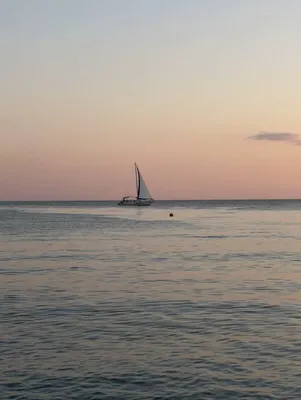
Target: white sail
<point>142,189</point>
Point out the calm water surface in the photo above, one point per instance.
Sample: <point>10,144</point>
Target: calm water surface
<point>103,302</point>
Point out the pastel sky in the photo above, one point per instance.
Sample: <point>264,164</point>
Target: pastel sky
<point>88,87</point>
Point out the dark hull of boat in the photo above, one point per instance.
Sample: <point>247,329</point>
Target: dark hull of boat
<point>134,204</point>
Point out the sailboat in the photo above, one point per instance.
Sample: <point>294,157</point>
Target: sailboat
<point>143,197</point>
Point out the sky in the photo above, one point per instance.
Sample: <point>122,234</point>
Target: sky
<point>203,94</point>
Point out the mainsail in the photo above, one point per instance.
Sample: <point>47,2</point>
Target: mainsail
<point>142,190</point>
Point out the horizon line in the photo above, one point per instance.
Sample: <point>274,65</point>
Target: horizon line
<point>158,200</point>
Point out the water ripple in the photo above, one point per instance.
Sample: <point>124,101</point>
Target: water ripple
<point>135,306</point>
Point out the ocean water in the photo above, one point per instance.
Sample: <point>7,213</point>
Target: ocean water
<point>103,302</point>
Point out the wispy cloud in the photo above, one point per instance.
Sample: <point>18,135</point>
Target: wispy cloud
<point>286,137</point>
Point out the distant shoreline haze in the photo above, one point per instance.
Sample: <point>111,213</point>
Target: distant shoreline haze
<point>158,201</point>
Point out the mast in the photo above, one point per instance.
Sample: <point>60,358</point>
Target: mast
<point>137,180</point>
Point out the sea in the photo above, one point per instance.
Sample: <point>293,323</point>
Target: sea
<point>104,302</point>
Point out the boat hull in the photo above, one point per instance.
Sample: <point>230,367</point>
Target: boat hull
<point>135,203</point>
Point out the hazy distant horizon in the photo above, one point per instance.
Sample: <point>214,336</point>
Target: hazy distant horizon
<point>157,200</point>
<point>203,94</point>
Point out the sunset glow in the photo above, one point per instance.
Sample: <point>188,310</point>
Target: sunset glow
<point>90,87</point>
